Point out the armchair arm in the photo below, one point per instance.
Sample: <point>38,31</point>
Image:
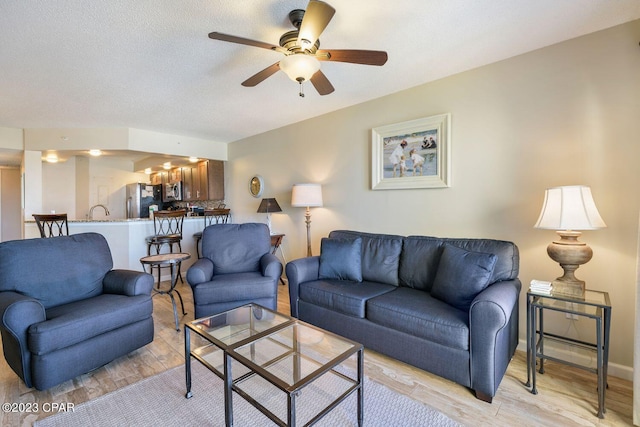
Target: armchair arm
<point>491,318</point>
<point>300,271</point>
<point>127,282</point>
<point>17,313</point>
<point>200,271</point>
<point>270,266</point>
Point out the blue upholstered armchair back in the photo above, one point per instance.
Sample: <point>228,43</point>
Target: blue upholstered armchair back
<point>55,271</point>
<point>235,248</point>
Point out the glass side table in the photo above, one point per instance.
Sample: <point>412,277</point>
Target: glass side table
<point>594,305</point>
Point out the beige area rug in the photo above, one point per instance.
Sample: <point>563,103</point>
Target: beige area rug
<point>160,401</point>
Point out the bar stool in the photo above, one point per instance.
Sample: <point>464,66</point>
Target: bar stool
<point>167,226</point>
<point>52,225</point>
<point>211,216</point>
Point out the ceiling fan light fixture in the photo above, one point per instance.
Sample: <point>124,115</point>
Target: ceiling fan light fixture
<point>299,67</point>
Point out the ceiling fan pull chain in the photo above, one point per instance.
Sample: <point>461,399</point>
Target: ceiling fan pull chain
<point>300,80</point>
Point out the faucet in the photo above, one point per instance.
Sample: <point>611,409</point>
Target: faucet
<point>106,211</point>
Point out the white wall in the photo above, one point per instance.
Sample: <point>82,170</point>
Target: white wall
<point>74,186</point>
<point>10,204</point>
<point>566,114</point>
<point>59,188</point>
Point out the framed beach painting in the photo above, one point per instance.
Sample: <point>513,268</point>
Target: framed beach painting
<point>412,154</point>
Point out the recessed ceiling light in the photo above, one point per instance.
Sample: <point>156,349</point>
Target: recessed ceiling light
<point>95,152</point>
<point>193,159</point>
<point>147,171</point>
<point>52,158</point>
<point>167,165</point>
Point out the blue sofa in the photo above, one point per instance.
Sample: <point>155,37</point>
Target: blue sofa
<point>448,306</point>
<point>65,312</point>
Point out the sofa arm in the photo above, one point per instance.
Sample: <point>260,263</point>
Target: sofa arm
<point>200,271</point>
<point>300,271</point>
<point>127,282</point>
<point>271,266</point>
<point>17,313</point>
<point>490,323</point>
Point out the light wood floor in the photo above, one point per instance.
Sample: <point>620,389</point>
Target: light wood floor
<point>567,396</point>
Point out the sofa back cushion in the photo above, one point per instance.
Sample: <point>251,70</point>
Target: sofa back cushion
<point>56,270</point>
<point>419,262</point>
<point>380,255</point>
<point>235,248</point>
<point>421,257</point>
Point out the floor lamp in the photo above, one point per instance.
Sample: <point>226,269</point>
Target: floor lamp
<point>307,196</point>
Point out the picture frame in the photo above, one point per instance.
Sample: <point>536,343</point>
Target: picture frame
<point>412,154</point>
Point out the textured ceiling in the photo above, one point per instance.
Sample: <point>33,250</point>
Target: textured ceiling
<point>149,64</point>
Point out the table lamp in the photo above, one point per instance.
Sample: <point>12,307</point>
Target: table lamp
<point>568,209</point>
<point>269,206</point>
<point>309,196</point>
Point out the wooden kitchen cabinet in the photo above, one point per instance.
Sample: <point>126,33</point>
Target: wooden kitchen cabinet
<point>191,184</point>
<point>214,178</point>
<point>157,178</point>
<point>175,175</point>
<point>205,181</point>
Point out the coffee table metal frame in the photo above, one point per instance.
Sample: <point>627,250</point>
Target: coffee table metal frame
<point>230,349</point>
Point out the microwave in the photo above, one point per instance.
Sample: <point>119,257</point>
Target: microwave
<point>172,191</point>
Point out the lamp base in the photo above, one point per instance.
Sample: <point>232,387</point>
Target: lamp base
<point>570,254</point>
<point>573,289</point>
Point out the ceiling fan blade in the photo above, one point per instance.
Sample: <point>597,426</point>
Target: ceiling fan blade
<point>316,18</point>
<point>260,76</point>
<point>365,57</point>
<point>321,83</point>
<point>242,40</point>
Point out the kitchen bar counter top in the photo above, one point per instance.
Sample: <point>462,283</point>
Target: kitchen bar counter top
<point>122,220</point>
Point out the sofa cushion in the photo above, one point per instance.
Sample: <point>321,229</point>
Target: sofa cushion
<point>78,321</point>
<point>462,275</point>
<point>343,296</point>
<point>417,313</point>
<point>380,255</point>
<point>341,259</point>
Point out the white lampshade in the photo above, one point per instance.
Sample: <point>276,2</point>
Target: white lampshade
<point>569,208</point>
<point>306,195</point>
<point>299,67</point>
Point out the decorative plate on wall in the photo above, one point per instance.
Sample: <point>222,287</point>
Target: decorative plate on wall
<point>256,186</point>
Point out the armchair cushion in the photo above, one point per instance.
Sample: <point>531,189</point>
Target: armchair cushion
<point>341,259</point>
<point>462,275</point>
<point>234,287</point>
<point>79,321</point>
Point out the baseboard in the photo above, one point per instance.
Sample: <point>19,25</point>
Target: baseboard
<point>615,370</point>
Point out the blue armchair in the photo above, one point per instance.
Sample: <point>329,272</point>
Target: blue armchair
<point>64,311</point>
<point>236,268</point>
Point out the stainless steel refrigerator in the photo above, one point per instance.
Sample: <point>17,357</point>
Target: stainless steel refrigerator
<point>140,197</point>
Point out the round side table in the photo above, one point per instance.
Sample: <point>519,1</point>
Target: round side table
<point>172,260</point>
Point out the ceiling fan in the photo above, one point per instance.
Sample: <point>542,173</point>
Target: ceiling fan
<point>301,48</point>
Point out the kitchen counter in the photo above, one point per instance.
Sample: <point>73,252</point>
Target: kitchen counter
<point>126,237</point>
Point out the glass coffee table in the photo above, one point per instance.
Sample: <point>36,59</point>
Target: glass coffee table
<point>292,372</point>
